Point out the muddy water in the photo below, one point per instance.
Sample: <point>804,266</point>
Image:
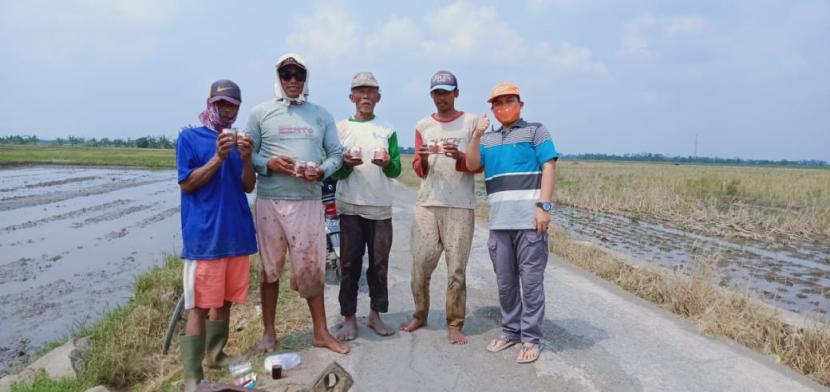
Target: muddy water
<point>72,240</point>
<point>795,277</point>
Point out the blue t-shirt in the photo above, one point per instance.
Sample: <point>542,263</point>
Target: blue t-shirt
<point>216,218</point>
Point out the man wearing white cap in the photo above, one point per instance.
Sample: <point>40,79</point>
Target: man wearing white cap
<point>295,147</point>
<point>371,161</point>
<point>519,161</point>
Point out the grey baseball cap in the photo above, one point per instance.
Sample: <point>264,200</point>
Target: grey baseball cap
<point>443,80</point>
<point>364,79</point>
<point>225,90</point>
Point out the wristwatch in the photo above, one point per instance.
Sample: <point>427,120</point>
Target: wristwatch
<point>544,205</point>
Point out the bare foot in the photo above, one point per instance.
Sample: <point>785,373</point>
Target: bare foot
<point>377,325</point>
<point>456,337</point>
<point>268,343</point>
<point>329,342</point>
<point>347,330</point>
<point>412,325</point>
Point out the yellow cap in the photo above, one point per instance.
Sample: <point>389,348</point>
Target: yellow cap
<point>504,88</point>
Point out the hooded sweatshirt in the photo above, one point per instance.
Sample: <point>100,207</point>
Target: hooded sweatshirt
<point>295,128</point>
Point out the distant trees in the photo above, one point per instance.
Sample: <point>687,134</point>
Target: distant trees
<point>142,142</point>
<point>165,142</point>
<point>19,139</point>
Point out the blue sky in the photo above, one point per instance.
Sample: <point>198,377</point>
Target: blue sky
<point>748,78</point>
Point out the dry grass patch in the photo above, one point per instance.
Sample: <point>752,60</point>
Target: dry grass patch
<point>761,203</point>
<point>715,310</point>
<point>408,176</point>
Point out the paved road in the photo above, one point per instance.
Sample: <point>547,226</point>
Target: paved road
<point>598,338</point>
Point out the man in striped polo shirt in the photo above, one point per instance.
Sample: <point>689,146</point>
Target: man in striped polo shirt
<point>519,161</point>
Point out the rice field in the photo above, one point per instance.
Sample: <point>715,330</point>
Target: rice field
<point>762,203</point>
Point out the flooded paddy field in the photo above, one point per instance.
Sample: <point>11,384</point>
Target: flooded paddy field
<point>72,240</point>
<point>795,276</point>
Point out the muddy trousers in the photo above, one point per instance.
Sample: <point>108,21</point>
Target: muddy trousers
<point>438,230</point>
<point>356,234</point>
<point>519,258</point>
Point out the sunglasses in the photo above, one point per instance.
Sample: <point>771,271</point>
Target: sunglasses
<point>297,75</point>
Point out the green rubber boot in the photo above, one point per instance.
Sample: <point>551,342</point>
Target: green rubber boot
<point>193,351</point>
<point>217,338</point>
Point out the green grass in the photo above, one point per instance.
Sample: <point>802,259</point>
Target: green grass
<point>68,155</point>
<point>127,341</point>
<point>125,345</point>
<point>42,383</point>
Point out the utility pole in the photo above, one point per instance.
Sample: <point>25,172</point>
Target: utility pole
<point>695,155</point>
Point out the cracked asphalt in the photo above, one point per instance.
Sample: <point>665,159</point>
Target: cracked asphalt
<point>597,338</point>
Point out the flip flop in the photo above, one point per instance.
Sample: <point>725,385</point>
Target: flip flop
<point>534,348</point>
<point>501,344</point>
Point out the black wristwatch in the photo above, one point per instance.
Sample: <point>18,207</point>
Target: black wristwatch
<point>544,205</point>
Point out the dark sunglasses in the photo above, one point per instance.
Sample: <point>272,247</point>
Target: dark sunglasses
<point>287,75</point>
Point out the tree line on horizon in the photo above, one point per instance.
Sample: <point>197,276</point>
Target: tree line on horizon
<point>164,142</point>
<point>142,142</point>
<point>651,157</point>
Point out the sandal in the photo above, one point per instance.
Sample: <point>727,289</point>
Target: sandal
<point>500,344</point>
<point>534,348</point>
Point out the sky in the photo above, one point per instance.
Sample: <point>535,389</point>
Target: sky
<point>745,78</point>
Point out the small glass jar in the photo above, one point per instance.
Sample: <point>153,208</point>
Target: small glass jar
<point>380,154</point>
<point>433,147</point>
<point>299,168</point>
<point>355,152</point>
<point>231,131</point>
<point>311,167</point>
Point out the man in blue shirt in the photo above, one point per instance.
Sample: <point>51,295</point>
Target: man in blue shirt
<point>215,171</point>
<point>519,161</point>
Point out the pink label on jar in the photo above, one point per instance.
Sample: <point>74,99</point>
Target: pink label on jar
<point>433,147</point>
<point>299,168</point>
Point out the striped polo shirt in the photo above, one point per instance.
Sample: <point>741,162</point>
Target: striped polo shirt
<point>512,161</point>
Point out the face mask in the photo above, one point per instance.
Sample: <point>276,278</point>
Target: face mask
<point>508,114</point>
<point>212,119</point>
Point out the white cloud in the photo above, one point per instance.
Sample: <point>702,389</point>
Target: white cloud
<point>643,36</point>
<point>85,32</point>
<point>327,35</point>
<point>89,13</point>
<point>543,5</point>
<point>464,31</point>
<point>461,31</point>
<point>571,59</point>
<point>396,32</point>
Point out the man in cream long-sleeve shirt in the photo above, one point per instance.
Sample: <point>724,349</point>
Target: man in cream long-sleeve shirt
<point>365,205</point>
<point>287,131</point>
